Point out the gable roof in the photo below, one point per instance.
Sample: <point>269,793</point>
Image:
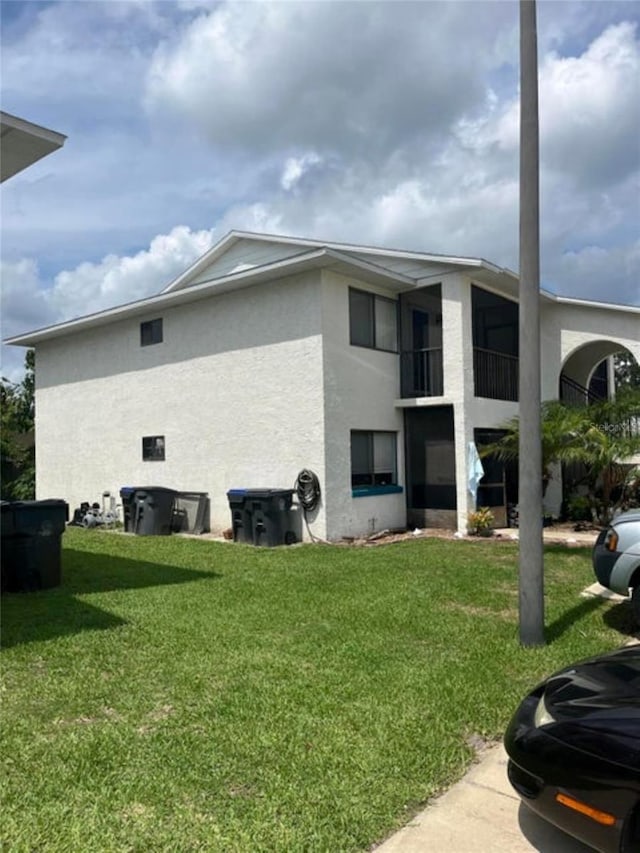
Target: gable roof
<point>314,259</point>
<point>376,254</point>
<point>363,262</point>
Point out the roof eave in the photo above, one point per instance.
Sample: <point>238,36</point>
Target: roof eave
<point>24,143</point>
<point>234,281</point>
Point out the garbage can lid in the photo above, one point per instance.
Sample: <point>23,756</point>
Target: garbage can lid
<point>237,493</point>
<point>268,493</point>
<point>35,505</point>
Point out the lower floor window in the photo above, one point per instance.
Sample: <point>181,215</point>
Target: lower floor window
<point>373,458</point>
<point>153,447</point>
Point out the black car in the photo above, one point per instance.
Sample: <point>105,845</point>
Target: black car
<point>574,751</point>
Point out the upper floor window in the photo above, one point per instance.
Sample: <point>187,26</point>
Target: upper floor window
<point>153,448</point>
<point>373,321</point>
<point>373,458</point>
<point>151,332</point>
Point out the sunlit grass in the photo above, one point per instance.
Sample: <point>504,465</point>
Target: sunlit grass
<point>178,694</point>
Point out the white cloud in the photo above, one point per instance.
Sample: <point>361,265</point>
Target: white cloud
<point>30,302</point>
<point>125,279</point>
<point>295,168</point>
<point>355,78</point>
<point>590,109</point>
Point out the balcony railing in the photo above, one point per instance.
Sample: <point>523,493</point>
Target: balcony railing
<point>421,373</point>
<point>574,394</point>
<point>495,375</point>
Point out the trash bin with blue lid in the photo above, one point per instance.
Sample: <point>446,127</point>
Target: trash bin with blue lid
<point>126,496</point>
<point>264,516</point>
<point>32,544</point>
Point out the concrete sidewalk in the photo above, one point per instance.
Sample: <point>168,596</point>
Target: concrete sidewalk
<point>480,814</point>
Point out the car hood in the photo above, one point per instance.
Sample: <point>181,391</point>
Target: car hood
<point>595,705</point>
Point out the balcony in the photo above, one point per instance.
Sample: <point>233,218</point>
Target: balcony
<point>421,373</point>
<point>495,375</point>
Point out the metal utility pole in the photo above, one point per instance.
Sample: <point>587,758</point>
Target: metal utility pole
<point>531,597</point>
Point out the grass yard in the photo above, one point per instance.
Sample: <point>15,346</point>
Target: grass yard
<point>177,694</point>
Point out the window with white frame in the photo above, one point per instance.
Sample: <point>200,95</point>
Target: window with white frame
<point>373,458</point>
<point>373,321</point>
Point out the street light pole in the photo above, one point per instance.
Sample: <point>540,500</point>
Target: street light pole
<point>531,595</point>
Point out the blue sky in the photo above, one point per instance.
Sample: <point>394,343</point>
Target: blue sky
<point>384,123</point>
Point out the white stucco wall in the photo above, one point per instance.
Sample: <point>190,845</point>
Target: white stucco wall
<point>249,387</point>
<point>360,388</point>
<point>235,388</point>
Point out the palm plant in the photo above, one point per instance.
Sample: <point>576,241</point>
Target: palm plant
<point>602,437</point>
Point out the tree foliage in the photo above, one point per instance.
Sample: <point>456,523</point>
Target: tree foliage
<point>627,371</point>
<point>17,446</point>
<point>600,438</point>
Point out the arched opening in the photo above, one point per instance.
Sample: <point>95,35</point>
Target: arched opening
<point>594,371</point>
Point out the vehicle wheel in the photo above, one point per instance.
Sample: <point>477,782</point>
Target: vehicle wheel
<point>635,603</point>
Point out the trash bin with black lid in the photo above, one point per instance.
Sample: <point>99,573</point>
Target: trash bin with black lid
<point>31,544</point>
<point>153,510</point>
<point>264,516</point>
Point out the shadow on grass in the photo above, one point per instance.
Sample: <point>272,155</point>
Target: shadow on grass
<point>558,627</point>
<point>85,572</point>
<point>35,616</point>
<point>620,618</point>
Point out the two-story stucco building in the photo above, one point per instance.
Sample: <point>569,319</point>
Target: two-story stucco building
<point>377,369</point>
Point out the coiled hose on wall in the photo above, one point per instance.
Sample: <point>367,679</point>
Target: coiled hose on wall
<point>307,489</point>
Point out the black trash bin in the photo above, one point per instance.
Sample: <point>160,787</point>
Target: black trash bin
<point>240,515</point>
<point>263,516</point>
<point>153,508</point>
<point>32,544</point>
<point>126,496</point>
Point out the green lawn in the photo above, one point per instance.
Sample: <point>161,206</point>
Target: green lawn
<point>177,694</point>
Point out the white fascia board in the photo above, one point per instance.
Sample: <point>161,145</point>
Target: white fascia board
<point>373,272</point>
<point>500,281</point>
<point>488,270</point>
<point>592,303</point>
<point>234,281</point>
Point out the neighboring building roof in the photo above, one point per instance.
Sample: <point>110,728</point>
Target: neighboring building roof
<point>365,263</point>
<point>23,143</point>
